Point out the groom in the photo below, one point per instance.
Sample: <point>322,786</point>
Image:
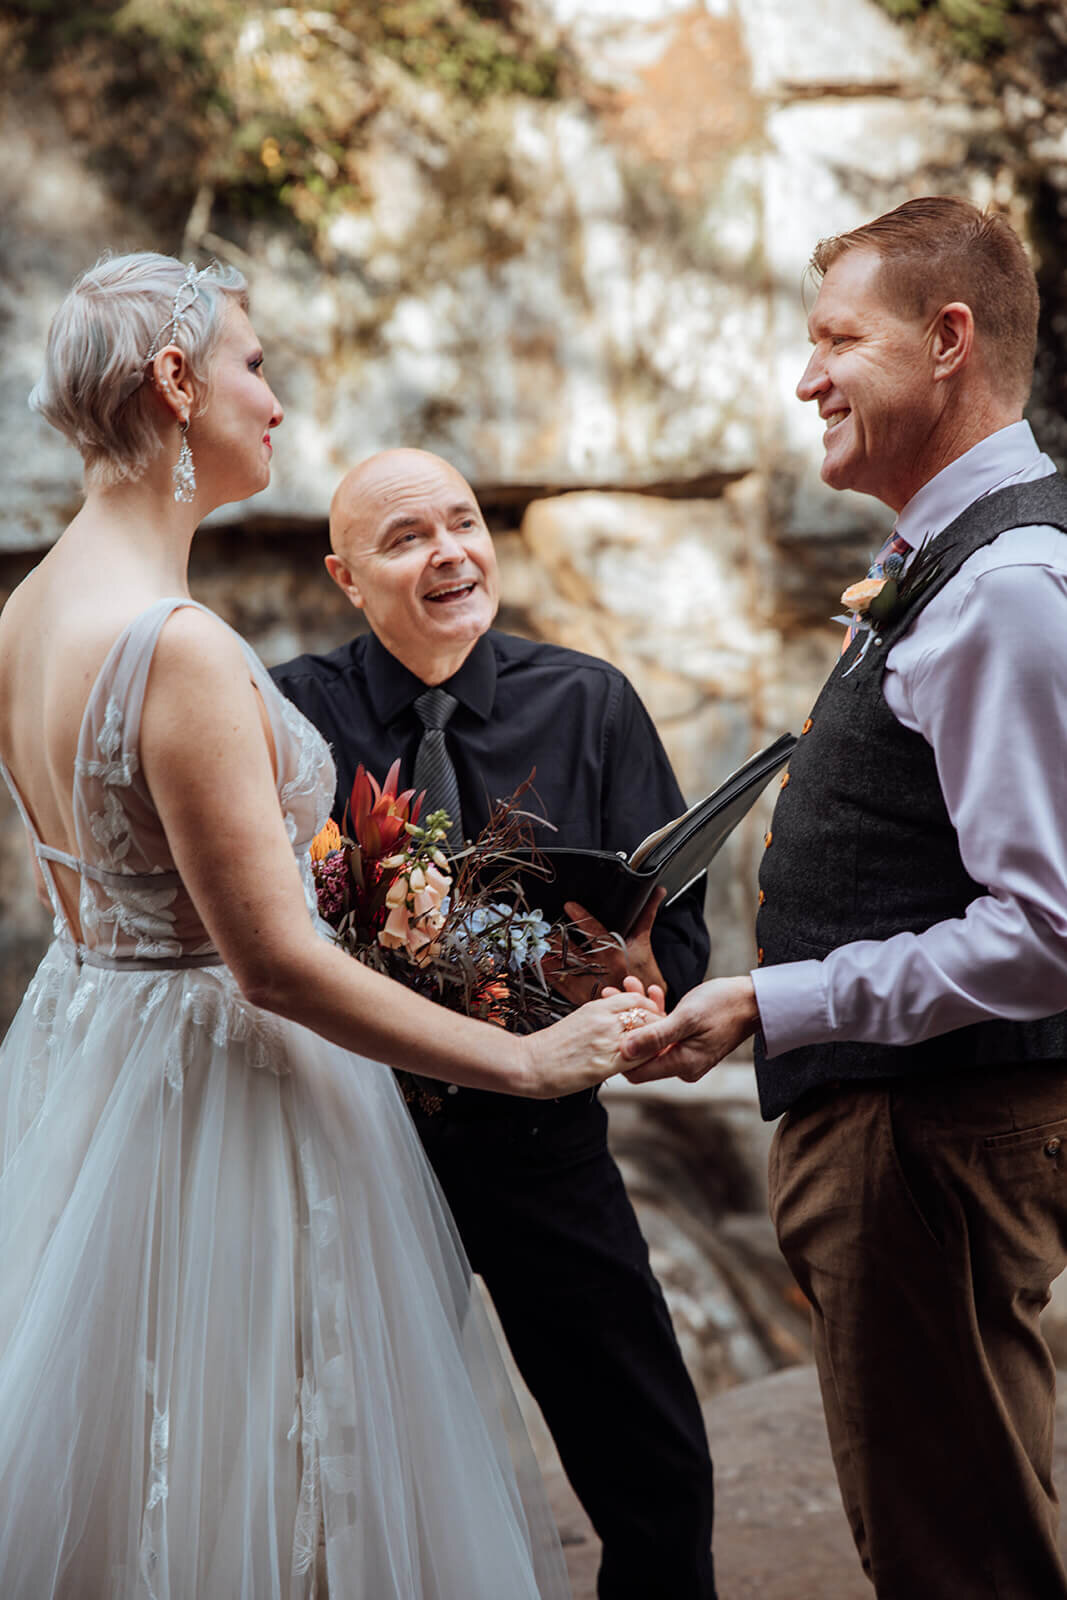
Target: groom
<point>913,924</point>
<point>538,1200</point>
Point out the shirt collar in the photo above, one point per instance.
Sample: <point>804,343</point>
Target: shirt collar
<point>988,465</point>
<point>393,688</point>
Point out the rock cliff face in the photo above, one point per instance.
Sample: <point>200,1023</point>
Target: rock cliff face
<point>594,306</point>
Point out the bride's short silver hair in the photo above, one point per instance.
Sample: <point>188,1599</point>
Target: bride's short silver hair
<point>100,347</point>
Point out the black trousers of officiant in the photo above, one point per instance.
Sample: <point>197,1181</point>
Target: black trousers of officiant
<point>546,1221</point>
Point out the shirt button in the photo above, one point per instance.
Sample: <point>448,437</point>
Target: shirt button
<point>1052,1148</point>
<point>767,837</point>
<point>453,1088</point>
<point>807,726</point>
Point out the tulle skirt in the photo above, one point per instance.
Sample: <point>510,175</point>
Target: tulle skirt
<point>239,1354</point>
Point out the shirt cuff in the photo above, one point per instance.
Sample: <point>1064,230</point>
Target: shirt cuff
<point>793,1006</point>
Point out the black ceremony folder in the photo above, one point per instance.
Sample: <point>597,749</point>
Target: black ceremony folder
<point>616,888</point>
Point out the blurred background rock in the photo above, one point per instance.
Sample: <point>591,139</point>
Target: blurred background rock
<point>562,243</point>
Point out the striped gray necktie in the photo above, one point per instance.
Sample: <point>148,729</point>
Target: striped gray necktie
<point>434,771</point>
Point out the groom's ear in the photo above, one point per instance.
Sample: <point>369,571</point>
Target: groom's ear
<point>343,578</point>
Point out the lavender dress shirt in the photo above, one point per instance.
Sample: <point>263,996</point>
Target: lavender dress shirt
<point>982,676</point>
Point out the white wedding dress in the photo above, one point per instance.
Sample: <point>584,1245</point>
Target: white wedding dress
<point>239,1357</point>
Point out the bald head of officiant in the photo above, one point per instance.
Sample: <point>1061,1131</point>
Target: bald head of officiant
<point>470,711</point>
<point>411,550</point>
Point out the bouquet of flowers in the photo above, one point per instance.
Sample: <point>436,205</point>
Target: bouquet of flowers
<point>444,928</point>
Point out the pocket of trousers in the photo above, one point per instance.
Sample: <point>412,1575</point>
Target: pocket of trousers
<point>1022,1146</point>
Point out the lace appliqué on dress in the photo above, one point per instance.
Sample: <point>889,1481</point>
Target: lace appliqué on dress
<point>147,917</point>
<point>308,780</point>
<point>310,1421</point>
<point>216,1006</point>
<point>110,826</point>
<point>151,1525</point>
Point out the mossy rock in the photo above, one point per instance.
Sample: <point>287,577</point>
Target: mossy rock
<point>267,108</point>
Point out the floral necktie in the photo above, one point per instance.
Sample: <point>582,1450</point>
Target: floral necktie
<point>886,564</point>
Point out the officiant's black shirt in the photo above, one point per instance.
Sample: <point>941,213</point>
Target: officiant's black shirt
<point>601,774</point>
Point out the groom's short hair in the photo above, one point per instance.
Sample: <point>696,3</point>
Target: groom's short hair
<point>937,249</point>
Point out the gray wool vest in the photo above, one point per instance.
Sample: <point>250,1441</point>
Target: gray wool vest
<point>861,846</point>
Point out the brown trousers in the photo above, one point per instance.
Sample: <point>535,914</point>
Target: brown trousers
<point>925,1221</point>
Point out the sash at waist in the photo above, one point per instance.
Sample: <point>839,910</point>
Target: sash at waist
<point>85,957</point>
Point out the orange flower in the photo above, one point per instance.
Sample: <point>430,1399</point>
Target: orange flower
<point>859,595</point>
<point>326,841</point>
<point>490,1001</point>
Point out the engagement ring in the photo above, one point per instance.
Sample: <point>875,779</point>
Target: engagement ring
<point>634,1018</point>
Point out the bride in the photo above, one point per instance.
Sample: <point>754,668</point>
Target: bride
<point>239,1359</point>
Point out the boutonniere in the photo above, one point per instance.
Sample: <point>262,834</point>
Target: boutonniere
<point>898,593</point>
<point>875,603</point>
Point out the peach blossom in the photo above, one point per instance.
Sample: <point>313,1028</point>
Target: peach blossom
<point>397,926</point>
<point>859,595</point>
<point>397,893</point>
<point>440,882</point>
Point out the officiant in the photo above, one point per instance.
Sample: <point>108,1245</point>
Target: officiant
<point>537,1197</point>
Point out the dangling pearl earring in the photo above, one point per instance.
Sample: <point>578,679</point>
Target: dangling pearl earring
<point>184,472</point>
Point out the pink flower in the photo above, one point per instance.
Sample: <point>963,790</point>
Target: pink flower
<point>331,884</point>
<point>417,940</point>
<point>415,916</point>
<point>397,893</point>
<point>440,882</point>
<point>394,935</point>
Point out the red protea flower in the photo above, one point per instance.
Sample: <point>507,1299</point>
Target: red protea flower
<point>379,815</point>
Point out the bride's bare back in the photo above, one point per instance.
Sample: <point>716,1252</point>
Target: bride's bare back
<point>55,634</point>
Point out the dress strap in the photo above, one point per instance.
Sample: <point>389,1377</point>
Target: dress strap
<point>59,915</point>
<point>45,852</point>
<point>85,869</point>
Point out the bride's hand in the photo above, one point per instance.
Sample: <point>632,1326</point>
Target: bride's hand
<point>583,1049</point>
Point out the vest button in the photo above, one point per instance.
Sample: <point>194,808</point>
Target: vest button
<point>784,779</point>
<point>767,837</point>
<point>762,897</point>
<point>453,1088</point>
<point>807,726</point>
<point>759,956</point>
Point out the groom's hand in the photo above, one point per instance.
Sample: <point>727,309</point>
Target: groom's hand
<point>616,960</point>
<point>706,1025</point>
